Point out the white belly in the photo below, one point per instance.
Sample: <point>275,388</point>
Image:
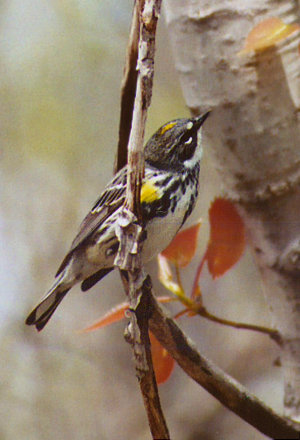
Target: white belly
<point>159,234</point>
<point>161,231</point>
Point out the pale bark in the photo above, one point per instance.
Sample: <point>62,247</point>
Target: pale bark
<point>254,133</point>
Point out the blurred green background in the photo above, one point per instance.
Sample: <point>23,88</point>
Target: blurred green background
<point>61,65</point>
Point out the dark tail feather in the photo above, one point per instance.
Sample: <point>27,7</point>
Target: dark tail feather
<point>93,279</point>
<point>45,309</point>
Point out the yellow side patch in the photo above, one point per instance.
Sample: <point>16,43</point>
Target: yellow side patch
<point>167,127</point>
<point>149,192</point>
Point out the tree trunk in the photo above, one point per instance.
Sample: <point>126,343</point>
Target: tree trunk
<point>254,134</point>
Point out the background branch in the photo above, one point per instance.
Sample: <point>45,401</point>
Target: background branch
<point>128,88</point>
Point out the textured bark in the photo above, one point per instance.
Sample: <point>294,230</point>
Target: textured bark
<point>254,134</point>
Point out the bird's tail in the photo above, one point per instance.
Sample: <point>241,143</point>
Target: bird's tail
<point>41,314</point>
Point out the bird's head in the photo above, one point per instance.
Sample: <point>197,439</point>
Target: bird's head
<point>176,144</point>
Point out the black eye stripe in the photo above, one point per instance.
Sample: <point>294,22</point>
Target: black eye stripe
<point>188,135</point>
<point>188,149</point>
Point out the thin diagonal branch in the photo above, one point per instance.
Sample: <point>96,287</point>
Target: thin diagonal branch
<point>202,311</point>
<point>274,334</point>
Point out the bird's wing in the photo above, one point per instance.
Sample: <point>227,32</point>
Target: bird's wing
<point>110,200</point>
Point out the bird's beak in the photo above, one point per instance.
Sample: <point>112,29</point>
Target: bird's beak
<point>199,120</point>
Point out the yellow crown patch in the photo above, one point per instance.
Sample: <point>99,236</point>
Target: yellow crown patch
<point>167,127</point>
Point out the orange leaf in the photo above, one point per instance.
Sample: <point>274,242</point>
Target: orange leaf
<point>267,33</point>
<point>117,313</point>
<point>113,315</point>
<point>183,247</point>
<point>227,237</point>
<point>163,363</point>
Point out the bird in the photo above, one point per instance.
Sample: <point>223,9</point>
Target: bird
<point>168,195</point>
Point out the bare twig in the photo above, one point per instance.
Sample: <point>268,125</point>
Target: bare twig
<point>130,228</point>
<point>223,387</point>
<point>274,334</point>
<point>202,311</point>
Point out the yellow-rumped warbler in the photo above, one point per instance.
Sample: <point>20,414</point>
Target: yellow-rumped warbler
<point>168,196</point>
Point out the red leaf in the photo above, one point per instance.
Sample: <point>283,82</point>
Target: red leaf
<point>183,247</point>
<point>163,363</point>
<point>116,314</point>
<point>227,237</point>
<point>113,315</point>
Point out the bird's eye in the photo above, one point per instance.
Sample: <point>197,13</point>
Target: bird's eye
<point>189,141</point>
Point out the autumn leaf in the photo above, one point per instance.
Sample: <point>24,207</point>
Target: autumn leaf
<point>267,33</point>
<point>117,313</point>
<point>163,363</point>
<point>182,248</point>
<point>114,315</point>
<point>227,237</point>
